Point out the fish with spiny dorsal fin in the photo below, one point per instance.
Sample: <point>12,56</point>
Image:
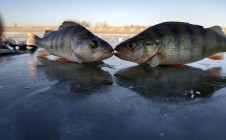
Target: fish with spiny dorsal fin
<point>73,43</point>
<point>173,43</point>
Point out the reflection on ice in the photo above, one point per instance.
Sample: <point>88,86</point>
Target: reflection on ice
<point>81,77</point>
<point>168,83</point>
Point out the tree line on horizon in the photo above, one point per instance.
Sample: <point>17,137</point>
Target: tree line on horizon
<point>103,24</point>
<point>88,24</point>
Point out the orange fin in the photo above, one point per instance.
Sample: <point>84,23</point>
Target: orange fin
<point>217,57</point>
<point>63,60</point>
<point>42,54</point>
<point>32,39</point>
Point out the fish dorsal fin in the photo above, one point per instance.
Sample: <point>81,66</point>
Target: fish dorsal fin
<point>217,29</point>
<point>47,32</point>
<point>68,24</point>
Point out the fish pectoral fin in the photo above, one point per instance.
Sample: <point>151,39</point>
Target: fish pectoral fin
<point>219,56</point>
<point>154,62</point>
<point>79,61</point>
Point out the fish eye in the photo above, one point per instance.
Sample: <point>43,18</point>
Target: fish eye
<point>131,46</point>
<point>93,44</point>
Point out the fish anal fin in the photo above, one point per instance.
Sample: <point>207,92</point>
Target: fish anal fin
<point>219,56</point>
<point>63,60</point>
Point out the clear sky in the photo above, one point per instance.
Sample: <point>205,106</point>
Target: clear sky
<point>115,12</point>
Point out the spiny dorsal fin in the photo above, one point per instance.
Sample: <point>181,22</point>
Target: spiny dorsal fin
<point>47,32</point>
<point>68,23</point>
<point>217,29</point>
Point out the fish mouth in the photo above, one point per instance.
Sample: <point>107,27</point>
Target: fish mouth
<point>116,52</point>
<point>122,55</point>
<point>127,56</point>
<point>107,54</point>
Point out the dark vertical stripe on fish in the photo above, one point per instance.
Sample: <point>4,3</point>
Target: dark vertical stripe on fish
<point>191,37</point>
<point>60,43</point>
<point>157,32</point>
<point>64,43</point>
<point>204,42</point>
<point>177,40</point>
<point>211,46</point>
<point>50,39</point>
<point>55,43</point>
<point>219,41</point>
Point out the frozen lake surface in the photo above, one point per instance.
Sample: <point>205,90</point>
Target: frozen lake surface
<point>67,101</point>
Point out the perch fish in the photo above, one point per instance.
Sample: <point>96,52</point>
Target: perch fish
<point>173,43</point>
<point>73,43</point>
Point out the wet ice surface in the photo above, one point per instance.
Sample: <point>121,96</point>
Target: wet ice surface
<point>53,100</point>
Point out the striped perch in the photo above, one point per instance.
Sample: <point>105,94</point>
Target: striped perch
<point>73,43</point>
<point>173,43</point>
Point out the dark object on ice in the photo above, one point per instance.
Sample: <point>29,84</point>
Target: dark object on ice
<point>10,52</point>
<point>14,44</point>
<point>11,47</point>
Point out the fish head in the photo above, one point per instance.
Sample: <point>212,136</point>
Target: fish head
<point>93,49</point>
<point>136,50</point>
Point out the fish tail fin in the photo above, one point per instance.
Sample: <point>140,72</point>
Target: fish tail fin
<point>32,39</point>
<point>217,29</point>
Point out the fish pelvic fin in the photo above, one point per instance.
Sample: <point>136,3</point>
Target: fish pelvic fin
<point>32,39</point>
<point>218,56</point>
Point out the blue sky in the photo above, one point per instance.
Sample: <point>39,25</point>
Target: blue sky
<point>117,12</point>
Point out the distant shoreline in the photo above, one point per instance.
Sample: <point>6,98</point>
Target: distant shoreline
<point>108,30</point>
